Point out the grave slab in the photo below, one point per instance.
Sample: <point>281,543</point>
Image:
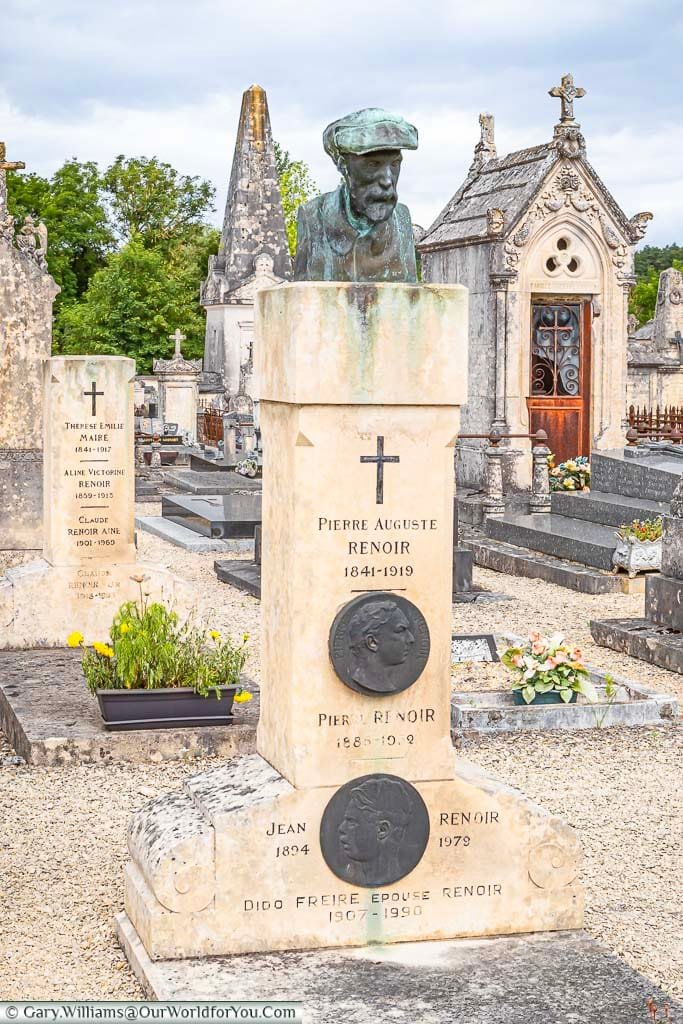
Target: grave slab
<point>51,719</point>
<point>240,573</point>
<point>219,516</point>
<point>643,639</point>
<point>191,481</point>
<point>181,537</point>
<point>512,979</point>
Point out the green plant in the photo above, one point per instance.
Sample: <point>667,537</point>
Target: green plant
<point>572,475</point>
<point>151,650</point>
<point>610,697</point>
<point>642,529</point>
<point>546,663</point>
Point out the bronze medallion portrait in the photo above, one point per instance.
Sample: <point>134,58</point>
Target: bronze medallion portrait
<point>374,830</point>
<point>379,643</point>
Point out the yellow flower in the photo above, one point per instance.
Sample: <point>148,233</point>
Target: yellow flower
<point>74,639</point>
<point>124,628</point>
<point>245,637</point>
<point>242,697</point>
<point>214,634</point>
<point>104,649</point>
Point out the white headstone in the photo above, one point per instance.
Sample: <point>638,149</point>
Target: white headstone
<point>89,567</point>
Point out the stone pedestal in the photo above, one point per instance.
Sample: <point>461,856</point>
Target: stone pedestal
<point>89,512</point>
<point>352,824</point>
<point>178,391</point>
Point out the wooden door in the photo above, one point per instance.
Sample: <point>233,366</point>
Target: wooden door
<point>560,374</point>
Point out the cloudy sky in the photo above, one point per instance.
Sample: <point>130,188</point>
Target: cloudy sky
<point>89,79</point>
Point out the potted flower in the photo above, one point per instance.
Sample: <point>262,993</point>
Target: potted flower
<point>247,467</point>
<point>546,670</point>
<point>639,546</point>
<point>155,673</point>
<point>572,475</point>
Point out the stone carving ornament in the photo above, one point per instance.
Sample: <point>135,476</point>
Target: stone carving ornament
<point>374,830</point>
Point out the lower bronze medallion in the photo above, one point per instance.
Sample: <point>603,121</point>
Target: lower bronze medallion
<point>379,643</point>
<point>374,830</point>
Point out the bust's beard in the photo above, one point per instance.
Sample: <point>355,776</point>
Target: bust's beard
<point>380,211</point>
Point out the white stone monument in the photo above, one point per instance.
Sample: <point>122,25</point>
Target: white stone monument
<point>178,389</point>
<point>88,560</point>
<point>354,823</point>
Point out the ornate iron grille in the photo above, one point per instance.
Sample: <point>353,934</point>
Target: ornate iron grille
<point>555,350</point>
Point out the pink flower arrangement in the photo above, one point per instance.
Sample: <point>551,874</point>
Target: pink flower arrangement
<point>546,663</point>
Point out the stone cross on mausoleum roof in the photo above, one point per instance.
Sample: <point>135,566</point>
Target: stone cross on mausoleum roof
<point>567,92</point>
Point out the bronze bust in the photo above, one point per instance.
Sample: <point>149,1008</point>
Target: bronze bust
<point>360,232</point>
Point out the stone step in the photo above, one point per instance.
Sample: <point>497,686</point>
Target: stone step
<point>560,536</point>
<point>606,508</point>
<point>516,561</point>
<point>651,477</point>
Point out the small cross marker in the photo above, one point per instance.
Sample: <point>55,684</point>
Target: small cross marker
<point>177,337</point>
<point>93,393</point>
<point>380,458</point>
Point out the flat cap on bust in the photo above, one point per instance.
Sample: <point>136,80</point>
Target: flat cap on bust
<point>366,131</point>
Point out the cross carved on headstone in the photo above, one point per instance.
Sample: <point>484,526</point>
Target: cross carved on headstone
<point>380,459</point>
<point>567,93</point>
<point>177,338</point>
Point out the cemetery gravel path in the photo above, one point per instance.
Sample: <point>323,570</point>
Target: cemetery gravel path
<point>62,840</point>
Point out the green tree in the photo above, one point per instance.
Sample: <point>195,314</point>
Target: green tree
<point>659,258</point>
<point>296,187</point>
<point>79,236</point>
<point>151,201</point>
<point>133,305</point>
<point>643,298</point>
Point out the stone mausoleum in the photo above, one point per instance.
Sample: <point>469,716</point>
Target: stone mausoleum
<point>547,255</point>
<point>253,251</point>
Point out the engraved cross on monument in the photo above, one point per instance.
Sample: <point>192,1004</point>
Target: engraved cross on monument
<point>380,458</point>
<point>94,394</point>
<point>567,93</point>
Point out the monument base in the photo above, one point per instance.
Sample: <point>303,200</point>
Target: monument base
<point>531,979</point>
<point>40,604</point>
<point>234,863</point>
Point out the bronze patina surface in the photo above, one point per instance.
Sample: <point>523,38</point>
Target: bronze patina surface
<point>379,643</point>
<point>360,232</point>
<point>374,831</point>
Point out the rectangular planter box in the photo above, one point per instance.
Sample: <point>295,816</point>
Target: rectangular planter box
<point>164,709</point>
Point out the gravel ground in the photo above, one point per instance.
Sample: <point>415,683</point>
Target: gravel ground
<point>62,847</point>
